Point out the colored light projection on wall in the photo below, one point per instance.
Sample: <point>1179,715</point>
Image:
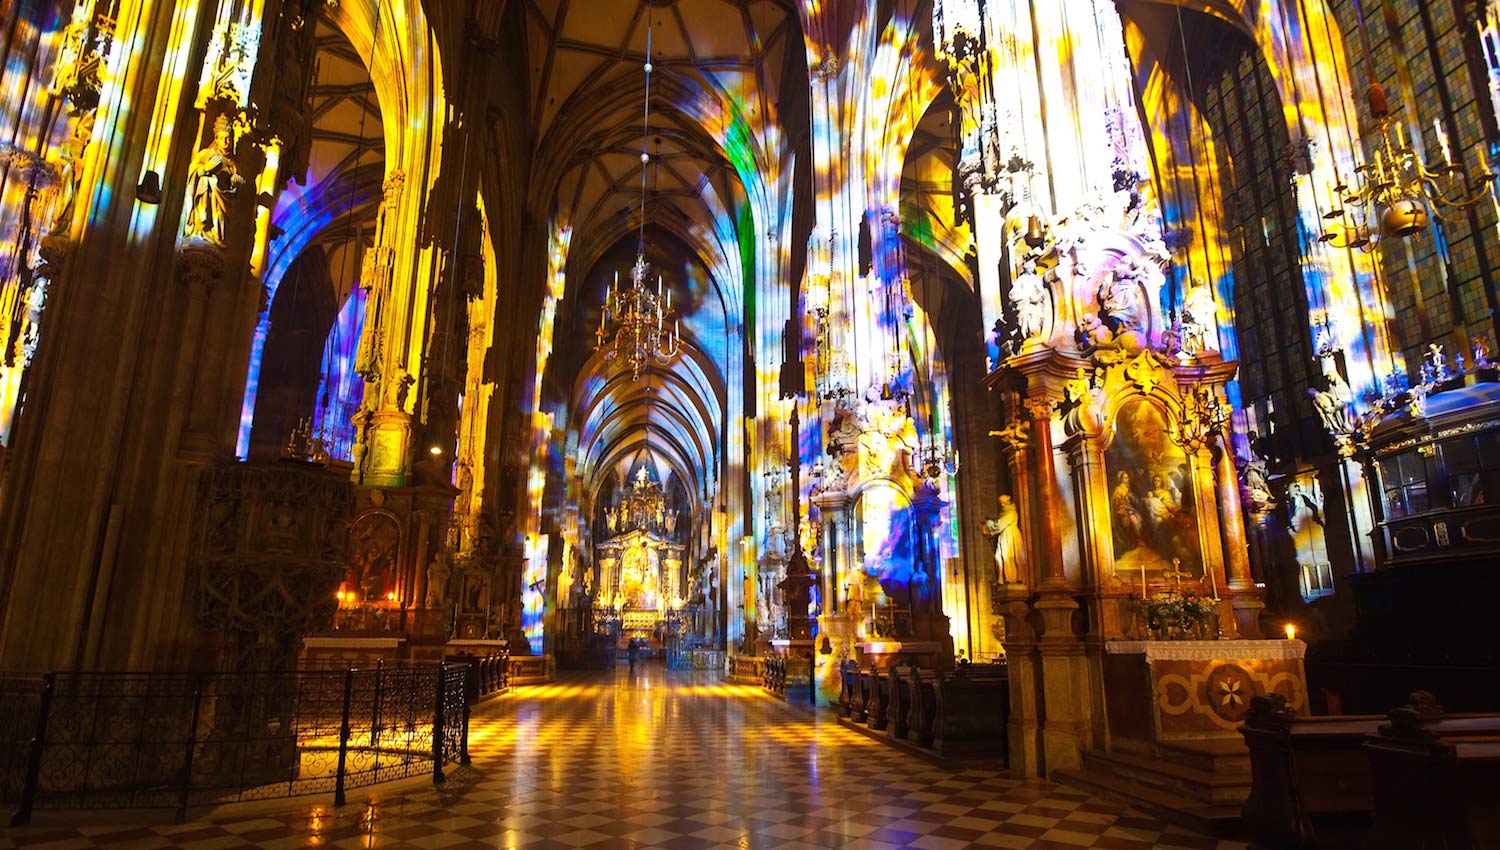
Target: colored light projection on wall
<point>44,163</point>
<point>534,575</point>
<point>340,388</point>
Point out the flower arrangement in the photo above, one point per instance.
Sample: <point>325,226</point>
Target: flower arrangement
<point>1182,616</point>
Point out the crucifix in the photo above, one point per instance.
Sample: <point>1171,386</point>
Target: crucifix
<point>1176,574</point>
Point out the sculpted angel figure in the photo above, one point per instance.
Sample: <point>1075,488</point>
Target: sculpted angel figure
<point>1009,552</point>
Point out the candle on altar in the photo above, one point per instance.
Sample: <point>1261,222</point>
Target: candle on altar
<point>1213,582</point>
<point>1143,579</point>
<point>1291,632</point>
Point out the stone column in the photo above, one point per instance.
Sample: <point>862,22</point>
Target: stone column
<point>1243,598</point>
<point>1064,677</point>
<point>1048,569</point>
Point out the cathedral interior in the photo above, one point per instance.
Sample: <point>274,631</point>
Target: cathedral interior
<point>1023,423</point>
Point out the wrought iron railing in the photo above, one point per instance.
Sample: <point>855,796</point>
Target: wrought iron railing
<point>178,740</point>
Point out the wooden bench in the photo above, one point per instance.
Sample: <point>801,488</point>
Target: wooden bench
<point>848,687</point>
<point>971,711</point>
<point>921,696</point>
<point>1436,782</point>
<point>1306,766</point>
<point>878,698</point>
<point>898,712</point>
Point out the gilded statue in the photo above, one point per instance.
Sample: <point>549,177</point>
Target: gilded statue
<point>212,177</point>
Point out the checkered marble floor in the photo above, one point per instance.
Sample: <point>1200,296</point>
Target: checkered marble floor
<point>661,759</point>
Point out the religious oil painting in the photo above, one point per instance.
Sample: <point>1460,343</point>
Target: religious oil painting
<point>1150,498</point>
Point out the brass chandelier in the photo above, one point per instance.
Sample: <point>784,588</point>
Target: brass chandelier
<point>1399,186</point>
<point>633,327</point>
<point>637,326</point>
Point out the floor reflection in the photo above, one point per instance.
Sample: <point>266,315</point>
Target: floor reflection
<point>670,759</point>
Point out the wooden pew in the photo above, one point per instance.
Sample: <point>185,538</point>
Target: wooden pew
<point>971,711</point>
<point>848,687</point>
<point>1306,766</point>
<point>921,688</point>
<point>1436,782</point>
<point>859,708</point>
<point>898,713</point>
<point>879,700</point>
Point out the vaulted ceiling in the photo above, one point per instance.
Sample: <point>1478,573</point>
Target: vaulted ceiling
<point>717,68</point>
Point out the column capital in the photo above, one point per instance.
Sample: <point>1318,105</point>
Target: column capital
<point>200,264</point>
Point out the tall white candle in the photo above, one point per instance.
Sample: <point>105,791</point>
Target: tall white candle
<point>1442,137</point>
<point>1143,579</point>
<point>1213,582</point>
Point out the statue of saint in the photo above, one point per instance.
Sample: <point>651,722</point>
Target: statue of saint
<point>1199,319</point>
<point>1028,294</point>
<point>212,177</point>
<point>1009,552</point>
<point>1122,304</point>
<point>437,581</point>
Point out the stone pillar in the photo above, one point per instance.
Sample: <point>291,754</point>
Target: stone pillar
<point>1049,569</point>
<point>1241,591</point>
<point>1022,659</point>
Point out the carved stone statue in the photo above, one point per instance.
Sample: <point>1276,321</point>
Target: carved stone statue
<point>70,172</point>
<point>212,177</point>
<point>1199,319</point>
<point>1120,301</point>
<point>1028,294</point>
<point>1009,551</point>
<point>1255,484</point>
<point>1333,406</point>
<point>437,582</point>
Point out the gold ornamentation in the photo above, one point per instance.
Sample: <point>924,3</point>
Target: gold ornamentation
<point>1016,435</point>
<point>1040,408</point>
<point>1144,372</point>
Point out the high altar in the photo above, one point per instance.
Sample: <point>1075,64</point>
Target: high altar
<point>1117,439</point>
<point>640,575</point>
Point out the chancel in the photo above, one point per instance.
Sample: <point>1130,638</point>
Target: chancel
<point>868,423</point>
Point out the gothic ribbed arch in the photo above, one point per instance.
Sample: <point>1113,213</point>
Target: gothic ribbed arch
<point>709,249</point>
<point>914,85</point>
<point>692,370</point>
<point>685,396</point>
<point>624,402</point>
<point>1236,13</point>
<point>948,244</point>
<point>331,203</point>
<point>404,70</point>
<point>703,103</point>
<point>665,444</point>
<point>613,103</point>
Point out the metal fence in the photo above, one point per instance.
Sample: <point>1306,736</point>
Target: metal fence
<point>176,740</point>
